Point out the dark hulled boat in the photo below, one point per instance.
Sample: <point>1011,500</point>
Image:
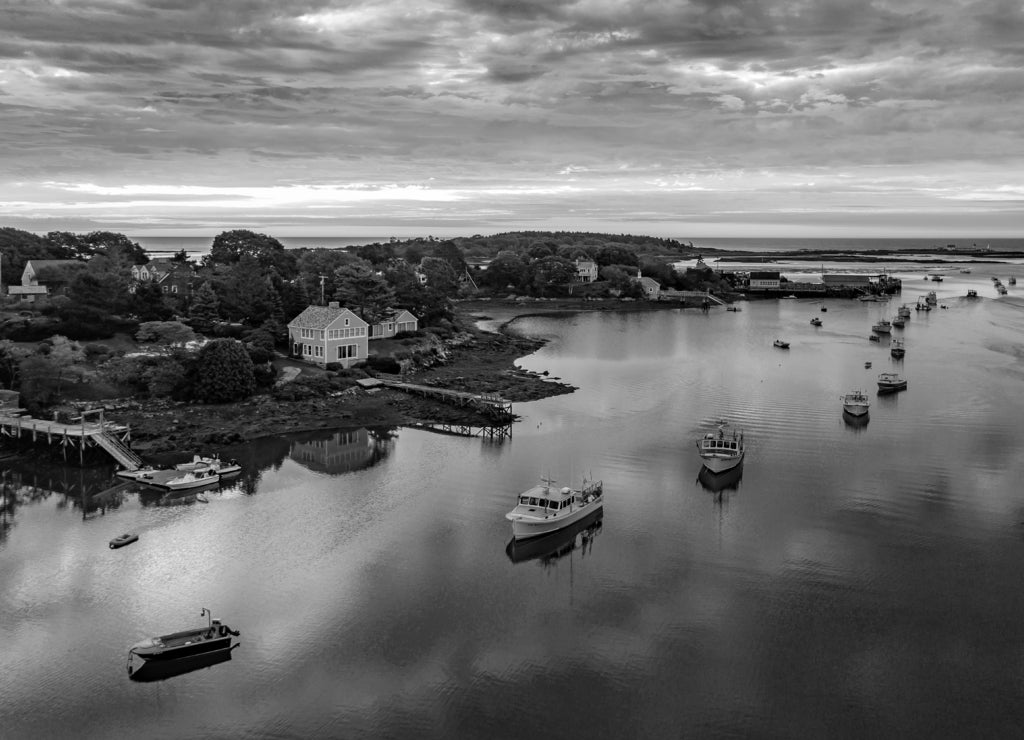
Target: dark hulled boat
<point>214,637</point>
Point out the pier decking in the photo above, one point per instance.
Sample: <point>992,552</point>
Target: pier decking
<point>113,438</point>
<point>490,404</point>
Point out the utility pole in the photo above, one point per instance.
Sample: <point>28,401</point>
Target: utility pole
<point>322,291</point>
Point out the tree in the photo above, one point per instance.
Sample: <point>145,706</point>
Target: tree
<point>223,372</point>
<point>205,309</point>
<point>508,268</point>
<point>375,254</point>
<point>363,291</point>
<point>230,246</point>
<point>148,302</point>
<point>551,271</point>
<point>618,278</point>
<point>450,253</point>
<point>616,255</point>
<point>246,292</point>
<point>11,356</point>
<point>316,269</point>
<point>441,276</point>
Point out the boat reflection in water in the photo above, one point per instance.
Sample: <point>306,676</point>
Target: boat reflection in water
<point>728,480</point>
<point>856,422</point>
<point>161,670</point>
<point>549,548</point>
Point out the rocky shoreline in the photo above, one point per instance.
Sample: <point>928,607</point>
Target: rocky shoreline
<point>479,362</point>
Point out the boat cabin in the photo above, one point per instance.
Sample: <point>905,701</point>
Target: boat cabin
<point>552,501</point>
<point>713,443</point>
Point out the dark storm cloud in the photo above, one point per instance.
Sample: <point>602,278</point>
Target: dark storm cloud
<point>530,96</point>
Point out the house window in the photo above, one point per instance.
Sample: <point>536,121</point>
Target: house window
<point>346,322</point>
<point>174,288</point>
<point>165,289</point>
<point>346,351</point>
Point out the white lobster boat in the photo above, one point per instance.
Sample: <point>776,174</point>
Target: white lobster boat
<point>721,450</point>
<point>884,326</point>
<point>546,508</point>
<point>856,403</point>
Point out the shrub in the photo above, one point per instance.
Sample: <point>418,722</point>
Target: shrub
<point>303,387</point>
<point>383,364</point>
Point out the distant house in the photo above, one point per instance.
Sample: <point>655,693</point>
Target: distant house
<point>395,323</point>
<point>651,288</point>
<point>43,277</point>
<point>327,334</point>
<point>174,278</point>
<point>765,280</point>
<point>586,271</point>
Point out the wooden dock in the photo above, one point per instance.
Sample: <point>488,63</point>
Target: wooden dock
<point>85,434</point>
<point>488,403</point>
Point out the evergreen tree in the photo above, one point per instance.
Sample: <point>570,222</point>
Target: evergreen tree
<point>363,291</point>
<point>205,309</point>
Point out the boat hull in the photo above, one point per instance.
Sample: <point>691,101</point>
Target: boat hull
<point>185,644</point>
<point>855,409</point>
<point>721,463</point>
<point>555,545</point>
<point>161,670</point>
<point>525,528</point>
<point>123,540</point>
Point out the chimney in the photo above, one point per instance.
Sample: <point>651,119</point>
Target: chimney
<point>333,304</point>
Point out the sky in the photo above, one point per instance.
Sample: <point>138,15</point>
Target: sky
<point>675,118</point>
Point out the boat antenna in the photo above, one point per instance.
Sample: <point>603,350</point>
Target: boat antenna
<point>206,613</point>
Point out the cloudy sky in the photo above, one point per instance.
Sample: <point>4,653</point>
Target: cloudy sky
<point>682,118</point>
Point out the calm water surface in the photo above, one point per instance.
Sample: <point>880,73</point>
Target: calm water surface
<point>851,581</point>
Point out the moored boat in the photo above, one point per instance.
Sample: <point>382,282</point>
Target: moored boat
<point>1012,280</point>
<point>815,321</point>
<point>904,311</point>
<point>185,644</point>
<point>780,344</point>
<point>896,348</point>
<point>544,508</point>
<point>891,382</point>
<point>856,403</point>
<point>972,293</point>
<point>931,299</point>
<point>884,326</point>
<point>721,450</point>
<point>157,476</point>
<point>123,539</point>
<point>898,322</point>
<point>190,479</point>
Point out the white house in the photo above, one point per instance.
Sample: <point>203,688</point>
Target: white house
<point>586,271</point>
<point>325,334</point>
<point>395,323</point>
<point>31,286</point>
<point>651,287</point>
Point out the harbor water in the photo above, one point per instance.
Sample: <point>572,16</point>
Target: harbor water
<point>850,579</point>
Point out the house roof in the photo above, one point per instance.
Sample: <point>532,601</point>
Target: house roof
<point>40,264</point>
<point>649,282</point>
<point>320,317</point>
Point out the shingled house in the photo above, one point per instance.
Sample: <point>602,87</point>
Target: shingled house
<point>328,334</point>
